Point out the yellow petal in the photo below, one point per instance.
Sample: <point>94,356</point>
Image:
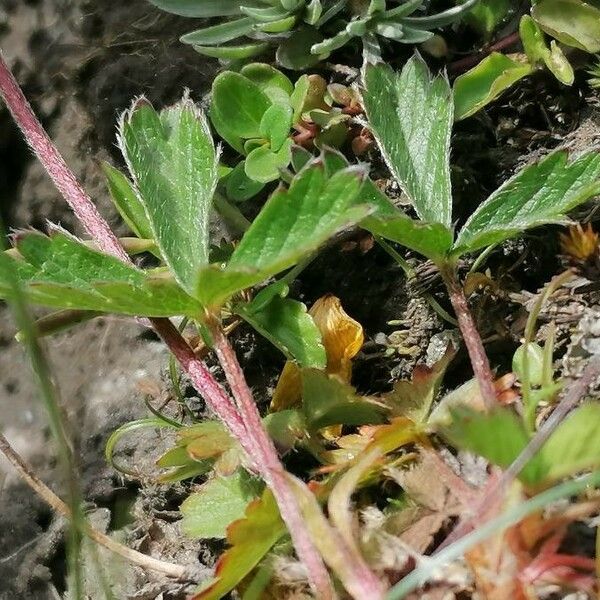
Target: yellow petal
<point>342,336</point>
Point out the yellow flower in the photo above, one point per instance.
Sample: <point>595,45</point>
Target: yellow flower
<point>342,338</point>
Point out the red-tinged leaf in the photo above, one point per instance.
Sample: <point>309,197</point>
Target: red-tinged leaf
<point>250,539</point>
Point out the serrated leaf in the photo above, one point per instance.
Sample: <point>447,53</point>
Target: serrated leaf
<point>204,8</point>
<point>410,115</point>
<point>538,194</point>
<point>264,165</point>
<point>485,82</point>
<point>173,162</point>
<point>571,22</point>
<point>239,103</point>
<point>250,538</point>
<point>127,203</point>
<point>219,34</point>
<point>61,272</point>
<point>216,504</point>
<point>292,224</point>
<point>288,326</point>
<point>327,401</point>
<point>433,240</point>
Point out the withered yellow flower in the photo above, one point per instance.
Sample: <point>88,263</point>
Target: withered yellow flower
<point>579,243</point>
<point>342,337</point>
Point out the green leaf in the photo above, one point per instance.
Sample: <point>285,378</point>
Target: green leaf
<point>221,500</point>
<point>250,538</point>
<point>327,401</point>
<point>127,202</point>
<point>277,26</point>
<point>239,103</point>
<point>61,272</point>
<point>571,22</point>
<point>239,186</point>
<point>174,166</point>
<point>262,164</point>
<point>537,51</point>
<point>538,194</point>
<point>441,19</point>
<point>288,326</point>
<point>292,224</point>
<point>487,15</point>
<point>275,125</point>
<point>270,80</point>
<point>233,52</point>
<point>485,82</point>
<point>575,445</point>
<point>202,8</point>
<point>499,436</point>
<point>286,428</point>
<point>265,15</point>
<point>432,240</point>
<point>411,117</point>
<point>219,34</point>
<point>222,128</point>
<point>294,52</point>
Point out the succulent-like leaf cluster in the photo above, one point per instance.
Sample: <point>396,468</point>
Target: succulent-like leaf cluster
<point>307,31</point>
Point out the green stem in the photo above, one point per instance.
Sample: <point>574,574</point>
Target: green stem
<point>412,274</point>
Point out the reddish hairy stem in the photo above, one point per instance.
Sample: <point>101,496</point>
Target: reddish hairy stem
<point>55,165</point>
<point>271,468</point>
<point>472,339</point>
<point>214,395</point>
<point>245,425</point>
<point>467,62</point>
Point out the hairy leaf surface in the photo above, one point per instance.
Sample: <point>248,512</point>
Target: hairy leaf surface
<point>411,117</point>
<point>538,194</point>
<point>173,163</point>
